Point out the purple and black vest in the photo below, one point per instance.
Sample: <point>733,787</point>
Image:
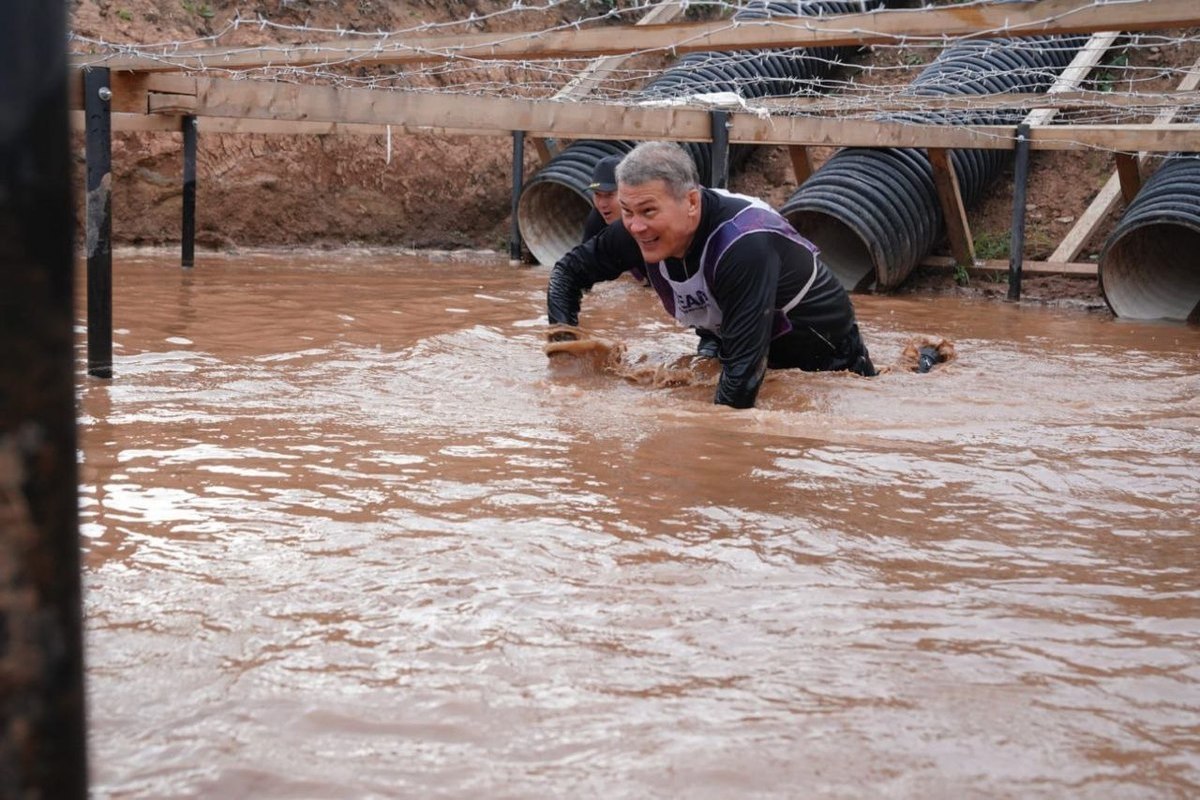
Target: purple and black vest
<point>691,301</point>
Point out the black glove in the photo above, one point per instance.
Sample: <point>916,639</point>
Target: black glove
<point>927,357</point>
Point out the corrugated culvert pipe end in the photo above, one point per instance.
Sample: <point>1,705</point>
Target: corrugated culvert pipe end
<point>555,202</point>
<point>551,216</point>
<point>844,250</point>
<point>1150,266</point>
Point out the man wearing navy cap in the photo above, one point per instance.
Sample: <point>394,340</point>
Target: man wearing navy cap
<point>604,197</point>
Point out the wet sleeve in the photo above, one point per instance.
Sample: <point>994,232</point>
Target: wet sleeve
<point>744,287</point>
<point>602,258</point>
<point>593,224</point>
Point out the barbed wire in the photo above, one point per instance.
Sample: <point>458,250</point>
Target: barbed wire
<point>1134,81</point>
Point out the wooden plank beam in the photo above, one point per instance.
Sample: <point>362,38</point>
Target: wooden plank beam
<point>1038,17</point>
<point>415,112</point>
<point>173,104</point>
<point>748,129</point>
<point>884,98</point>
<point>958,230</point>
<point>159,123</point>
<point>130,89</point>
<point>1106,200</point>
<point>270,100</point>
<point>138,83</point>
<point>984,267</point>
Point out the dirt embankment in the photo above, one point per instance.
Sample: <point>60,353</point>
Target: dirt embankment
<point>454,192</point>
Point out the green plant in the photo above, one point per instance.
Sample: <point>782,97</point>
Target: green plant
<point>991,245</point>
<point>202,9</point>
<point>1105,78</point>
<point>125,14</point>
<point>961,277</point>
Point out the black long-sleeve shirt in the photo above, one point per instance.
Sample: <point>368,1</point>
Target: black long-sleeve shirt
<point>759,273</point>
<point>593,224</point>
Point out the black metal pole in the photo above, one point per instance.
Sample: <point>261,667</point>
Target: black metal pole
<point>1017,246</point>
<point>43,743</point>
<point>188,237</point>
<point>518,177</point>
<point>96,97</point>
<point>720,149</point>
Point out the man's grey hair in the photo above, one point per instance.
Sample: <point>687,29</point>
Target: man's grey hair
<point>659,161</point>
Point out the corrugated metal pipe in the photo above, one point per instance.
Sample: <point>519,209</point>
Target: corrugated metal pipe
<point>555,201</point>
<point>1150,266</point>
<point>874,213</point>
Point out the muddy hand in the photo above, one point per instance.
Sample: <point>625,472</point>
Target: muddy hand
<point>565,339</point>
<point>563,333</point>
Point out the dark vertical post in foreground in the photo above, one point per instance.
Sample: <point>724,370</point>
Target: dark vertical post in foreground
<point>518,177</point>
<point>720,149</point>
<point>1017,247</point>
<point>96,105</point>
<point>42,733</point>
<point>188,236</point>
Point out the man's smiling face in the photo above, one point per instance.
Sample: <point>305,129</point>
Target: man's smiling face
<point>660,223</point>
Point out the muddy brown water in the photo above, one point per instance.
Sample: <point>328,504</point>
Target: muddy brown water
<point>350,535</point>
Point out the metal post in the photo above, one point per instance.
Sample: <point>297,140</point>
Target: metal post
<point>1017,246</point>
<point>720,148</point>
<point>518,176</point>
<point>96,103</point>
<point>188,237</point>
<point>42,727</point>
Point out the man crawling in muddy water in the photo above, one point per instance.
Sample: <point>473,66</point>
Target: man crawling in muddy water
<point>721,262</point>
<point>605,211</point>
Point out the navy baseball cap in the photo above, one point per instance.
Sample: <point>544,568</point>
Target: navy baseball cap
<point>604,176</point>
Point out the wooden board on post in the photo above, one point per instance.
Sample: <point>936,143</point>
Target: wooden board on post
<point>802,166</point>
<point>958,230</point>
<point>1129,173</point>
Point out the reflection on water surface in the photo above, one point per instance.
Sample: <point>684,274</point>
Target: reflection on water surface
<point>348,536</point>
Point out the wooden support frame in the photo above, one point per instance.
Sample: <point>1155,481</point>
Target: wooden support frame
<point>985,267</point>
<point>163,123</point>
<point>591,76</point>
<point>958,230</point>
<point>1038,17</point>
<point>1068,99</point>
<point>676,124</point>
<point>1129,175</point>
<point>1106,199</point>
<point>1070,78</point>
<point>414,112</point>
<point>802,165</point>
